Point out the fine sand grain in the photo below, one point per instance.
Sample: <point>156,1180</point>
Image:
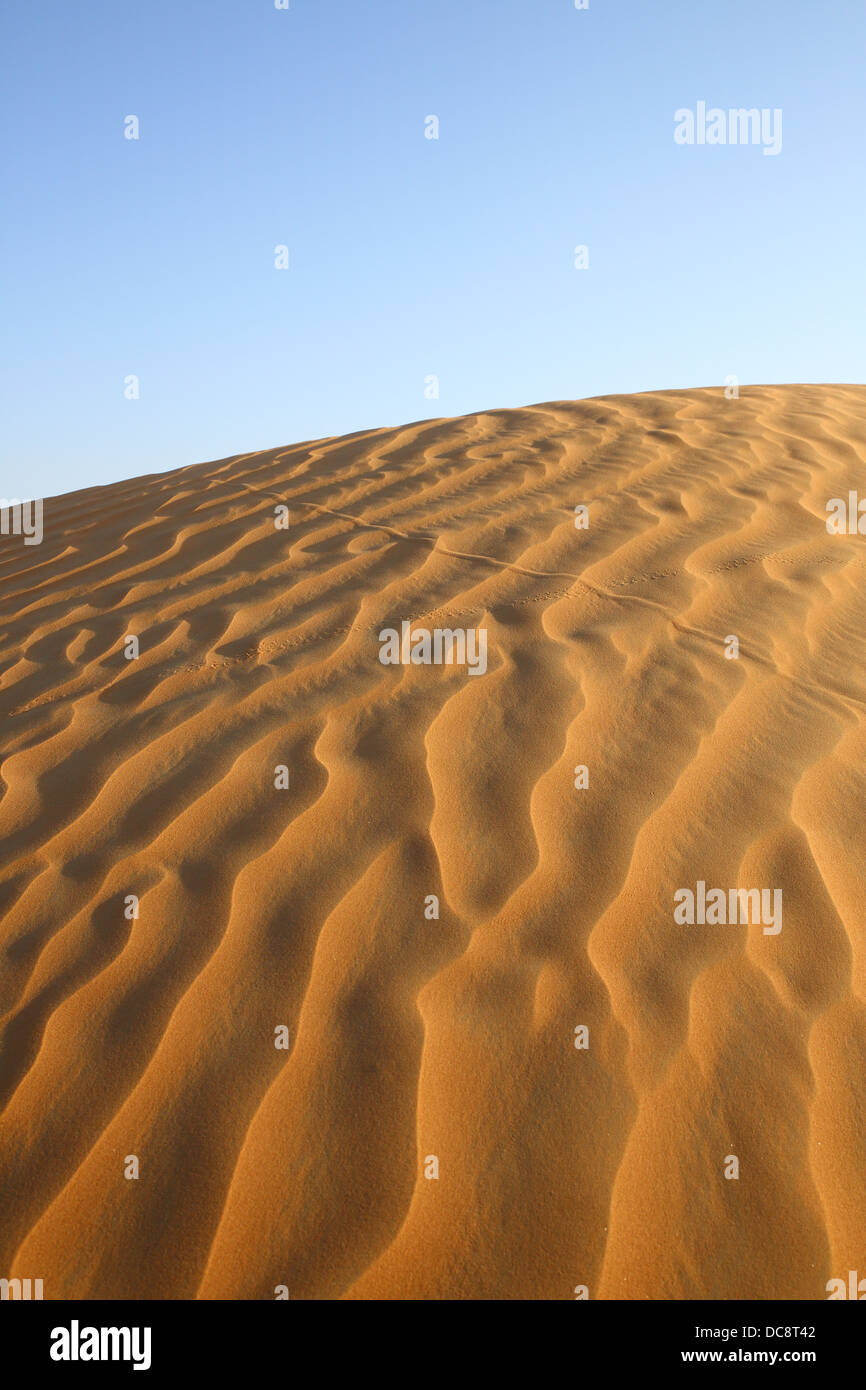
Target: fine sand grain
<point>418,1040</point>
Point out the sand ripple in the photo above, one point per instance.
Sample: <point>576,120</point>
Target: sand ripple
<point>411,1037</point>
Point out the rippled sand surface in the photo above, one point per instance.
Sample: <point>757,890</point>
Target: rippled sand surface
<point>432,1131</point>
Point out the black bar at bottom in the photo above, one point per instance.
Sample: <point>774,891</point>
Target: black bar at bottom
<point>158,1338</point>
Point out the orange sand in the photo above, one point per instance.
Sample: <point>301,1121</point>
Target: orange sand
<point>453,1037</point>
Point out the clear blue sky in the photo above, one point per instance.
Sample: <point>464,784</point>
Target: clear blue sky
<point>408,256</point>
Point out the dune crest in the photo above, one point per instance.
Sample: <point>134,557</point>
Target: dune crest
<point>510,1072</point>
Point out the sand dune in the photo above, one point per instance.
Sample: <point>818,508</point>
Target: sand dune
<point>417,1040</point>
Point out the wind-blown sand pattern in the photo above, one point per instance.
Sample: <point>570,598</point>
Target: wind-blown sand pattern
<point>454,1037</point>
